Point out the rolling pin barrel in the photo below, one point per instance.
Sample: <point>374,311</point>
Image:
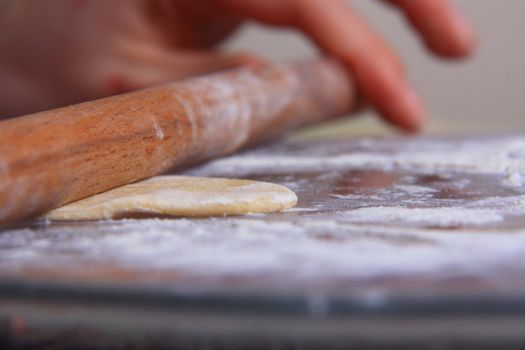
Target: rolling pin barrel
<point>55,157</point>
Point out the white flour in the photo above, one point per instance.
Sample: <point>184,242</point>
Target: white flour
<point>437,209</point>
<point>237,101</point>
<point>496,156</point>
<point>242,247</point>
<point>434,217</point>
<point>413,189</point>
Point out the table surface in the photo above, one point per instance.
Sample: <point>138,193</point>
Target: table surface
<point>394,227</point>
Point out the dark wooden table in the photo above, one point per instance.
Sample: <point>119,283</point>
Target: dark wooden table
<point>407,241</point>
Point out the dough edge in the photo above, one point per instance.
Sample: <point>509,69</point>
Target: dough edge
<point>180,196</point>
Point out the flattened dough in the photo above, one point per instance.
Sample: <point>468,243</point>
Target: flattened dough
<point>180,196</point>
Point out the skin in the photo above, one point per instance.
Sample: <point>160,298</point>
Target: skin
<point>58,52</point>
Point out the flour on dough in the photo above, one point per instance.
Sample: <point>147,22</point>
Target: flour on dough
<point>180,196</point>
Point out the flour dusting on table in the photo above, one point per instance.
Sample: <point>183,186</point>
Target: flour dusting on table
<point>502,156</point>
<point>369,209</point>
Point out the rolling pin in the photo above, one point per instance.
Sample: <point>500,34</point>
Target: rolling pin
<point>51,158</point>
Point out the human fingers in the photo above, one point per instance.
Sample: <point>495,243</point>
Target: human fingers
<point>342,33</point>
<point>442,25</point>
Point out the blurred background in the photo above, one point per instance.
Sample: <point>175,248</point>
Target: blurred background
<point>484,94</point>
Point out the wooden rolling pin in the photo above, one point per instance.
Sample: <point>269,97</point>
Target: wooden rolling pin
<point>55,157</point>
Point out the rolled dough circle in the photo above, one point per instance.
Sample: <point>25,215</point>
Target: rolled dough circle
<point>180,196</point>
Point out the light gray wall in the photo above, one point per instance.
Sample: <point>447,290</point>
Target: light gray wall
<point>488,88</point>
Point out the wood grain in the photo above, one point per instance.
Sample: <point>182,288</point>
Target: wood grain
<point>51,158</point>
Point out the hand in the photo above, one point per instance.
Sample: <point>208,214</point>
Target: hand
<point>64,51</point>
